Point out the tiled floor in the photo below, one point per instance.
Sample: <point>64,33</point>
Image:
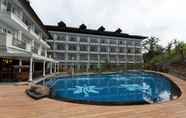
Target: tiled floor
<point>14,103</point>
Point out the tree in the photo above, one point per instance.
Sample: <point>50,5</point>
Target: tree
<point>169,47</point>
<point>179,49</point>
<point>152,48</point>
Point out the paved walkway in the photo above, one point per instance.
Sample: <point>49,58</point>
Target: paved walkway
<point>14,103</point>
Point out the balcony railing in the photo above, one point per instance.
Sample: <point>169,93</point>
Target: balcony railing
<point>35,50</point>
<point>19,43</point>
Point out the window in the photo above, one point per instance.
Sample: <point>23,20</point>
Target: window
<point>103,41</point>
<point>94,40</point>
<point>131,58</point>
<point>60,46</point>
<point>138,58</point>
<point>72,57</point>
<point>72,38</point>
<point>61,38</point>
<point>113,49</point>
<point>121,42</point>
<point>60,56</point>
<point>83,39</point>
<point>130,43</point>
<point>113,57</point>
<point>129,50</point>
<point>94,57</point>
<point>137,43</point>
<point>72,47</point>
<point>83,48</point>
<point>1,29</point>
<point>104,58</point>
<point>103,49</point>
<point>122,50</point>
<point>122,58</point>
<point>83,57</point>
<point>113,42</point>
<point>93,48</point>
<point>51,45</point>
<point>137,50</point>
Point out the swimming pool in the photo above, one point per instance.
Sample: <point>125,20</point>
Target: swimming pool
<point>114,89</point>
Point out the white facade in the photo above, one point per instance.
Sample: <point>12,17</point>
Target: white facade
<point>21,37</point>
<point>91,51</point>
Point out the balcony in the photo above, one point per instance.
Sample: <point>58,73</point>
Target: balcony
<point>16,22</point>
<point>35,50</point>
<point>13,19</point>
<point>19,43</point>
<point>8,41</point>
<point>5,40</point>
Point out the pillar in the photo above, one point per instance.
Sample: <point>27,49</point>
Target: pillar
<point>55,69</point>
<point>58,67</point>
<point>20,65</point>
<point>50,67</point>
<point>44,70</point>
<point>30,69</point>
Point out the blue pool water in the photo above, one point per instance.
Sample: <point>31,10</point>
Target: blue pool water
<point>116,88</point>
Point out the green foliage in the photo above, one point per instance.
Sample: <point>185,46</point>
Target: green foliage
<point>152,49</point>
<point>170,55</point>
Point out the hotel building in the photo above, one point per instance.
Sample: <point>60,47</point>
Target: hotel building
<point>23,46</point>
<point>29,49</point>
<point>90,49</point>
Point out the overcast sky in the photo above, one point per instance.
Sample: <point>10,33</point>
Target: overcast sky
<point>165,19</point>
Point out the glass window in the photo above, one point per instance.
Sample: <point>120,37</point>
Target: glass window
<point>137,43</point>
<point>83,48</point>
<point>103,41</point>
<point>103,49</point>
<point>83,39</point>
<point>113,42</point>
<point>93,48</point>
<point>61,37</point>
<point>138,50</point>
<point>83,57</point>
<point>60,56</point>
<point>72,47</point>
<point>73,38</point>
<point>121,42</point>
<point>122,58</point>
<point>72,57</point>
<point>93,57</point>
<point>60,46</point>
<point>121,50</point>
<point>94,40</point>
<point>129,50</point>
<point>130,43</point>
<point>113,49</point>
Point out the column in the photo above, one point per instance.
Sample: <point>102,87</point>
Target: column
<point>58,67</point>
<point>78,57</point>
<point>30,70</point>
<point>99,54</point>
<point>88,64</point>
<point>55,69</point>
<point>20,65</point>
<point>126,56</point>
<point>50,67</point>
<point>44,73</point>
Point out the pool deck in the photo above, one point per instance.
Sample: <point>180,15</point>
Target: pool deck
<point>14,103</point>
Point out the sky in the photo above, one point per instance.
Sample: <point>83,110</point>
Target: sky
<point>165,19</point>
